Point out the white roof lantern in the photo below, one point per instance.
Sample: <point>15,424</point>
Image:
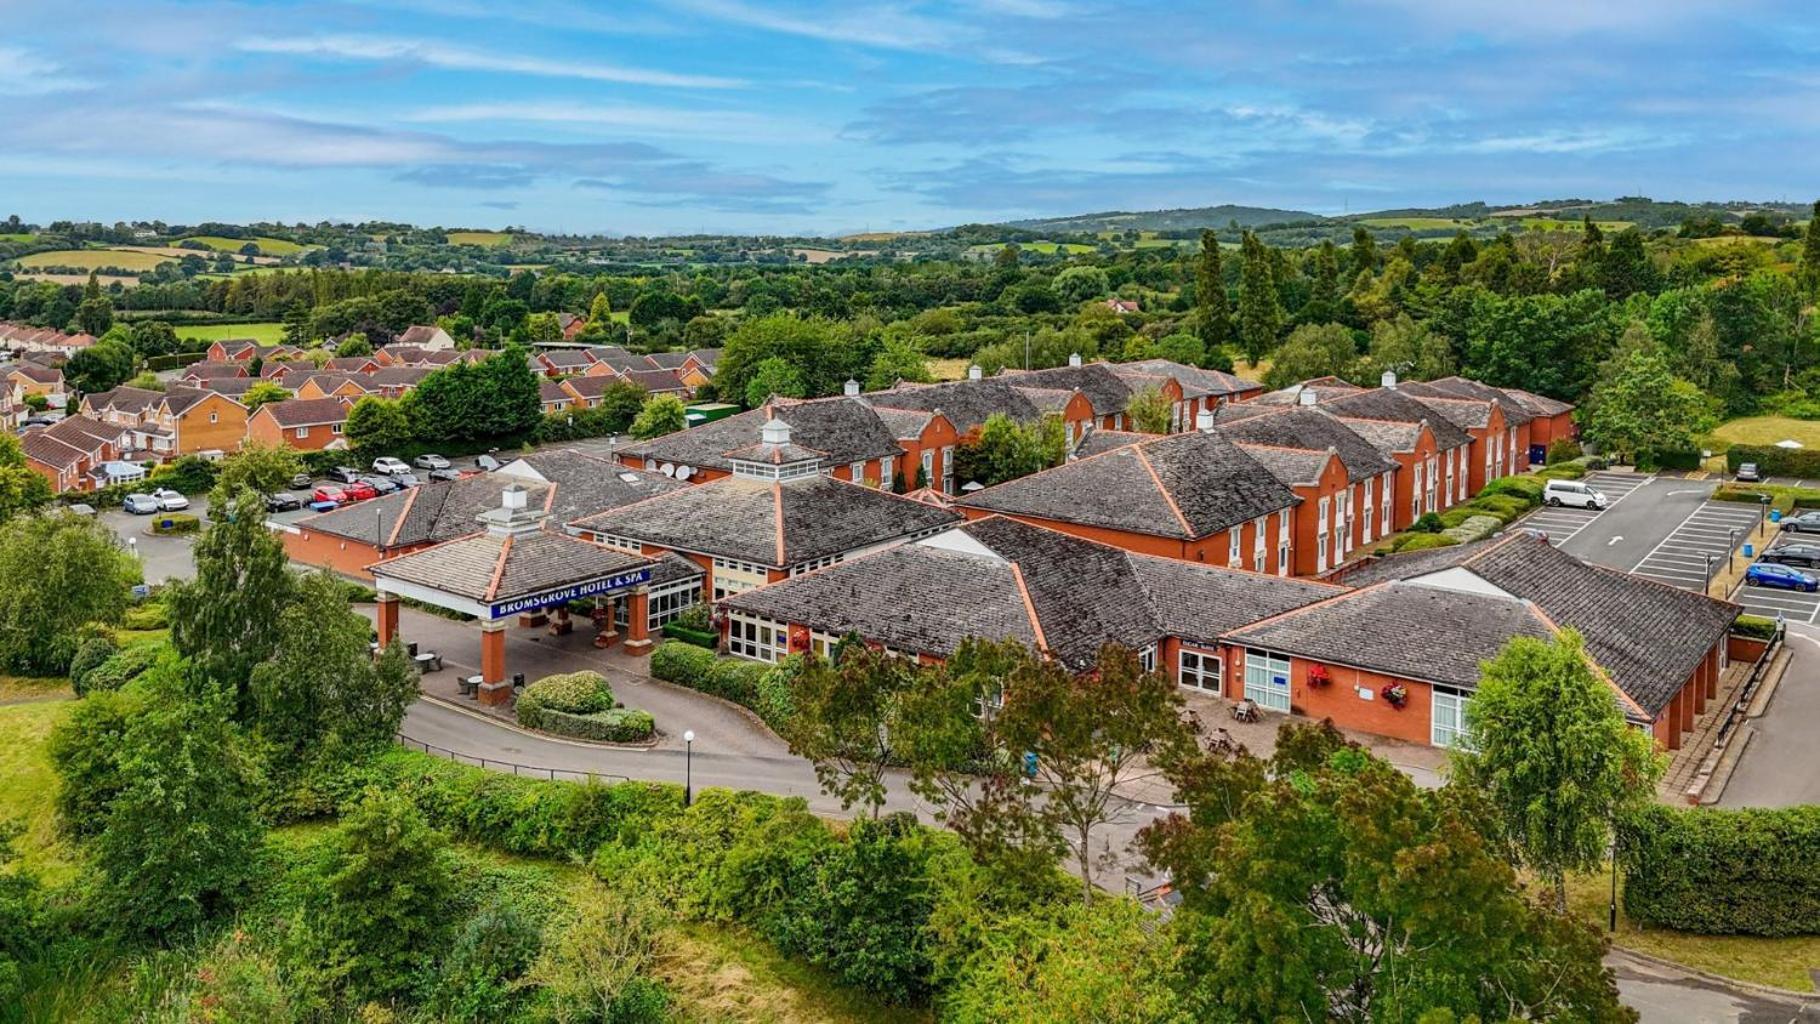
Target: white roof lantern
<point>775,431</point>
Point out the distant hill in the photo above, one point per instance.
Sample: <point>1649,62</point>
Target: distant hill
<point>1162,220</point>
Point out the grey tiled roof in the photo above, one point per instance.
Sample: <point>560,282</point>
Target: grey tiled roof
<point>845,428</point>
<point>237,387</point>
<point>1389,437</point>
<point>774,524</point>
<point>1391,404</point>
<point>1184,485</point>
<point>1648,636</point>
<point>1098,442</point>
<point>1195,381</point>
<point>1293,466</point>
<point>1461,387</point>
<point>1402,629</point>
<point>1467,414</point>
<point>667,360</point>
<point>929,596</point>
<point>1538,405</point>
<point>1302,427</point>
<point>966,403</point>
<point>302,412</point>
<point>1102,385</point>
<point>485,567</point>
<point>656,381</point>
<point>1325,389</point>
<point>907,424</point>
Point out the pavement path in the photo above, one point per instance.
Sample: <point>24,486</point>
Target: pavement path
<point>1781,766</point>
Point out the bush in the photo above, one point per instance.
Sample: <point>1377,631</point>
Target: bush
<point>1562,449</point>
<point>1526,488</point>
<point>1755,627</point>
<point>126,665</point>
<point>1502,507</point>
<point>762,689</point>
<point>174,523</point>
<point>1473,529</point>
<point>1688,458</point>
<point>1455,516</point>
<point>1774,461</point>
<point>614,725</point>
<point>91,654</point>
<point>699,637</point>
<point>577,693</point>
<point>1428,522</point>
<point>191,474</point>
<point>150,615</point>
<point>1723,872</point>
<point>682,664</point>
<point>1424,541</point>
<point>1564,471</point>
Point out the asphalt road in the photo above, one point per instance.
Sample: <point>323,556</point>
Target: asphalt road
<point>1781,766</point>
<point>1624,535</point>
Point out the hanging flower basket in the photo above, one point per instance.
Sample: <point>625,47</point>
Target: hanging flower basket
<point>1318,677</point>
<point>1395,694</point>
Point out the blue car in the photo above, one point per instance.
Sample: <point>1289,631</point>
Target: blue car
<point>1767,574</point>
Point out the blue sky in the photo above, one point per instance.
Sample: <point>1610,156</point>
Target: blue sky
<point>652,116</point>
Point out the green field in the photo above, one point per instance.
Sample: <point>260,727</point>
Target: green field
<point>1417,223</point>
<point>480,238</point>
<point>1045,247</point>
<point>264,334</point>
<point>267,246</point>
<point>90,259</point>
<point>1550,224</point>
<point>17,237</point>
<point>1765,430</point>
<point>29,796</point>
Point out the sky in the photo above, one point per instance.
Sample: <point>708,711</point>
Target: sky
<point>802,116</point>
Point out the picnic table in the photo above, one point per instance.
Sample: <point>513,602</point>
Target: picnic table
<point>428,661</point>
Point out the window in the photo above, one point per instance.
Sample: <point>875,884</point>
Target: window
<point>1200,671</point>
<point>1257,543</point>
<point>303,432</point>
<point>613,541</point>
<point>887,469</point>
<point>1267,680</point>
<point>1234,537</point>
<point>1283,543</point>
<point>1368,512</point>
<point>1428,500</point>
<point>1415,494</point>
<point>1320,538</point>
<point>1147,658</point>
<point>928,467</point>
<point>1448,499</point>
<point>820,563</point>
<point>661,605</point>
<point>1448,717</point>
<point>735,577</point>
<point>759,639</point>
<point>335,429</point>
<point>948,469</point>
<point>214,417</point>
<point>1462,453</point>
<point>1342,520</point>
<point>991,702</point>
<point>856,472</point>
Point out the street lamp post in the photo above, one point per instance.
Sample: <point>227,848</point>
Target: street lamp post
<point>1709,573</point>
<point>688,767</point>
<point>1612,925</point>
<point>1731,550</point>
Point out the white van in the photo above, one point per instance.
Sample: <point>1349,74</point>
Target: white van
<point>1573,494</point>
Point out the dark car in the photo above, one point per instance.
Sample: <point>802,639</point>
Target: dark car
<point>379,484</point>
<point>344,474</point>
<point>1806,522</point>
<point>1747,473</point>
<point>283,501</point>
<point>1805,555</point>
<point>300,482</point>
<point>1770,575</point>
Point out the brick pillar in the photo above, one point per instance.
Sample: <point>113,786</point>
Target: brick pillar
<point>1713,670</point>
<point>388,618</point>
<point>1687,708</point>
<point>1697,683</point>
<point>494,689</point>
<point>608,633</point>
<point>1671,719</point>
<point>638,619</point>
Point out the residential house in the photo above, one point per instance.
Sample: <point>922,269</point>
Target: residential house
<point>167,424</point>
<point>308,424</point>
<point>210,369</point>
<point>72,452</point>
<point>556,397</point>
<point>427,337</point>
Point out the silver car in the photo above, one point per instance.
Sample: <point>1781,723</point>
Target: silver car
<point>430,462</point>
<point>142,505</point>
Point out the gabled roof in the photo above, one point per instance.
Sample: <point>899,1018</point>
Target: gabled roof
<point>487,567</point>
<point>1465,413</point>
<point>237,387</point>
<point>654,381</point>
<point>1646,635</point>
<point>566,358</point>
<point>36,374</point>
<point>1538,405</point>
<point>1307,428</point>
<point>1105,389</point>
<point>178,399</point>
<point>124,399</point>
<point>1195,381</point>
<point>1460,387</point>
<point>1295,467</point>
<point>305,412</point>
<point>420,334</point>
<point>550,392</point>
<point>1001,579</point>
<point>770,523</point>
<point>85,432</point>
<point>667,360</point>
<point>214,368</point>
<point>1183,486</point>
<point>845,428</point>
<point>966,403</point>
<point>1324,389</point>
<point>42,448</point>
<point>1389,437</point>
<point>1098,442</point>
<point>1393,405</point>
<point>394,376</point>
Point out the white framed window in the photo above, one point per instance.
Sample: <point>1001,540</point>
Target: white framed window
<point>1147,658</point>
<point>661,605</point>
<point>1447,719</point>
<point>1235,538</point>
<point>928,467</point>
<point>749,636</point>
<point>1415,494</point>
<point>732,576</point>
<point>335,429</point>
<point>990,701</point>
<point>214,417</point>
<point>615,541</point>
<point>1283,534</point>
<point>1200,671</point>
<point>302,432</point>
<point>1464,466</point>
<point>887,471</point>
<point>820,563</point>
<point>1342,535</point>
<point>948,469</point>
<point>1447,498</point>
<point>1258,548</point>
<point>856,471</point>
<point>1267,679</point>
<point>1368,512</point>
<point>1320,538</point>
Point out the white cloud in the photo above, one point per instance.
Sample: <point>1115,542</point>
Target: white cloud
<point>23,73</point>
<point>633,119</point>
<point>431,53</point>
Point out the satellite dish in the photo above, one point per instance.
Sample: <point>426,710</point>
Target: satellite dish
<point>667,469</point>
<point>684,472</point>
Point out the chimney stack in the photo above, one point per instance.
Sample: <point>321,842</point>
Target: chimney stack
<point>852,388</point>
<point>974,372</point>
<point>1306,396</point>
<point>1388,379</point>
<point>514,498</point>
<point>1074,359</point>
<point>1203,421</point>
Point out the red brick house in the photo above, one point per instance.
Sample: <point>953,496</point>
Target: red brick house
<point>308,424</point>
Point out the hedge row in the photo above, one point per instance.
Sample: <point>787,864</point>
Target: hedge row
<point>1774,461</point>
<point>614,725</point>
<point>698,637</point>
<point>1724,872</point>
<point>763,689</point>
<point>1756,627</point>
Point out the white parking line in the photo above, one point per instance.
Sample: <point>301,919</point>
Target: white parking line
<point>1572,520</point>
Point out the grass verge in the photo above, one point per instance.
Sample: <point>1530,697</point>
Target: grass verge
<point>30,793</point>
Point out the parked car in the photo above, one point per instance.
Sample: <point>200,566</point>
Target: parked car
<point>330,494</point>
<point>380,484</point>
<point>360,490</point>
<point>430,462</point>
<point>1804,555</point>
<point>486,463</point>
<point>36,421</point>
<point>169,500</point>
<point>1747,473</point>
<point>387,465</point>
<point>300,482</point>
<point>81,509</point>
<point>406,481</point>
<point>283,501</point>
<point>1804,522</point>
<point>1573,494</point>
<point>344,474</point>
<point>1768,574</point>
<point>142,505</point>
<point>445,474</point>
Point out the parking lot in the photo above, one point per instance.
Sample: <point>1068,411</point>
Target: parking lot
<point>1792,605</point>
<point>1562,524</point>
<point>1713,529</point>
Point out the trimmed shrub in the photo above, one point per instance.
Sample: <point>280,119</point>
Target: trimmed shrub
<point>614,725</point>
<point>762,689</point>
<point>122,668</point>
<point>1428,522</point>
<point>1526,488</point>
<point>577,693</point>
<point>1685,459</point>
<point>1755,627</point>
<point>1455,516</point>
<point>1502,507</point>
<point>699,637</point>
<point>91,654</point>
<point>1723,872</point>
<point>1562,449</point>
<point>682,664</point>
<point>1474,528</point>
<point>150,615</point>
<point>1424,541</point>
<point>173,523</point>
<point>1564,471</point>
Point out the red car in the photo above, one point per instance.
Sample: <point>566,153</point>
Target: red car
<point>330,493</point>
<point>359,490</point>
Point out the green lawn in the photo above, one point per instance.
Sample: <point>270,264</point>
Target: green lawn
<point>1763,430</point>
<point>1783,963</point>
<point>90,259</point>
<point>17,236</point>
<point>30,793</point>
<point>480,238</point>
<point>264,333</point>
<point>1416,223</point>
<point>267,246</point>
<point>1551,224</point>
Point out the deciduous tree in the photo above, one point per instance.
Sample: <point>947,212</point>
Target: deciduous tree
<point>22,488</point>
<point>1313,350</point>
<point>1260,311</point>
<point>377,426</point>
<point>57,574</point>
<point>226,618</point>
<point>1645,410</point>
<point>843,722</point>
